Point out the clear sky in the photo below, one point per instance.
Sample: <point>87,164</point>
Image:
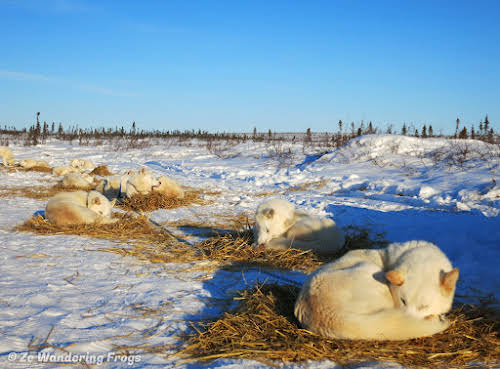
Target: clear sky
<point>232,65</point>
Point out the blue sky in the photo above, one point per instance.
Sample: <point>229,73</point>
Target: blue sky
<point>233,65</point>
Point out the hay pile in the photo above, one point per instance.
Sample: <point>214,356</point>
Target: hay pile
<point>230,249</point>
<point>129,227</point>
<point>236,247</point>
<point>222,223</point>
<point>101,170</point>
<point>37,169</point>
<point>154,244</point>
<point>264,328</point>
<point>16,168</point>
<point>155,201</point>
<point>37,192</point>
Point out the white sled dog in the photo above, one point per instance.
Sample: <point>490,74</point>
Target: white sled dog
<point>77,180</point>
<point>79,207</point>
<point>355,298</point>
<point>82,164</point>
<point>114,187</point>
<point>141,183</point>
<point>422,279</point>
<point>31,163</point>
<point>61,171</point>
<point>278,225</point>
<point>169,187</point>
<point>6,154</point>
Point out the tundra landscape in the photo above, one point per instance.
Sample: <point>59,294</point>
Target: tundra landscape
<point>138,294</point>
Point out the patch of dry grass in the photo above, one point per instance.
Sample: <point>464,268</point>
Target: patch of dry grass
<point>306,186</point>
<point>129,227</point>
<point>236,247</point>
<point>37,169</point>
<point>101,170</point>
<point>38,192</point>
<point>215,224</point>
<point>264,328</point>
<point>227,249</point>
<point>267,193</point>
<point>40,169</point>
<point>155,201</point>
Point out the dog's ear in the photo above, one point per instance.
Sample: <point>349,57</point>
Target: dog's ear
<point>449,280</point>
<point>395,277</point>
<point>113,202</point>
<point>269,213</point>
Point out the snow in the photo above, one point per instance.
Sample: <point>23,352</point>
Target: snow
<point>66,291</point>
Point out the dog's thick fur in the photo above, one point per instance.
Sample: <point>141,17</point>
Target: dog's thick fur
<point>61,171</point>
<point>77,180</point>
<point>79,207</point>
<point>6,154</point>
<point>31,163</point>
<point>114,187</point>
<point>354,298</point>
<point>278,225</point>
<point>422,279</point>
<point>82,164</point>
<point>140,183</point>
<point>169,187</point>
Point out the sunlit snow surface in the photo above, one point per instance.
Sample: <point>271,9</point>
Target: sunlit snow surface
<point>88,301</point>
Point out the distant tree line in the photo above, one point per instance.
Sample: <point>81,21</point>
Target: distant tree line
<point>40,132</point>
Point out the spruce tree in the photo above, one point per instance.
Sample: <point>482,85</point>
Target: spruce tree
<point>370,128</point>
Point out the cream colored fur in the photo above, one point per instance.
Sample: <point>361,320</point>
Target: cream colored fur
<point>77,180</point>
<point>6,154</point>
<point>279,226</point>
<point>31,163</point>
<point>422,279</point>
<point>113,187</point>
<point>82,164</point>
<point>140,183</point>
<point>61,171</point>
<point>351,298</point>
<point>79,207</point>
<point>169,187</point>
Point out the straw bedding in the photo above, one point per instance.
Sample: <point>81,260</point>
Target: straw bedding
<point>38,192</point>
<point>37,169</point>
<point>129,227</point>
<point>236,247</point>
<point>264,328</point>
<point>101,170</point>
<point>154,201</point>
<point>41,169</point>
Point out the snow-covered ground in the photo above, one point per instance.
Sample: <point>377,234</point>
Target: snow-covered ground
<point>62,293</point>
